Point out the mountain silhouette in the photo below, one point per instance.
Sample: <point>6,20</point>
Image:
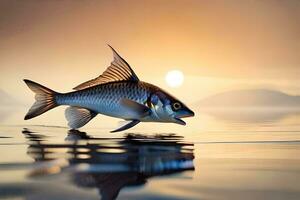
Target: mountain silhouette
<point>8,105</point>
<point>251,106</point>
<point>6,100</point>
<point>250,98</point>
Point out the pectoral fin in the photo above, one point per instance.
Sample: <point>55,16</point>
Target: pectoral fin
<point>126,126</point>
<point>134,110</point>
<point>78,117</point>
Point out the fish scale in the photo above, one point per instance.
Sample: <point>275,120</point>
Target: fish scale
<point>105,98</point>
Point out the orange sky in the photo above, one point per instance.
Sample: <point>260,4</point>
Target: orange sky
<point>63,43</point>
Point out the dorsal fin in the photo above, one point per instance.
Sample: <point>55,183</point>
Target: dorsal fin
<point>119,70</point>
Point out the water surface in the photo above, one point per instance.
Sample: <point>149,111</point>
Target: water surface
<point>214,159</point>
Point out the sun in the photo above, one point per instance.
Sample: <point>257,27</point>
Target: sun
<point>174,78</point>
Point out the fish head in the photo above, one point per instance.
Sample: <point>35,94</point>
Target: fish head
<point>169,109</point>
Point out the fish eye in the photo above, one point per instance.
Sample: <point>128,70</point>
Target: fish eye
<point>176,106</point>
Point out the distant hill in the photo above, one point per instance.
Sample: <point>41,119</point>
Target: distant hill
<point>251,106</point>
<point>7,101</point>
<point>8,105</point>
<point>250,98</point>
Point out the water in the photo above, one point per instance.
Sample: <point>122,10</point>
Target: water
<point>214,159</point>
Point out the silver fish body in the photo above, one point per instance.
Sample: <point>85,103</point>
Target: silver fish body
<point>106,98</point>
<point>117,92</point>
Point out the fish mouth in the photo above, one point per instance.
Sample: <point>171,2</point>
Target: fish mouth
<point>186,113</point>
<point>183,114</point>
<point>179,121</point>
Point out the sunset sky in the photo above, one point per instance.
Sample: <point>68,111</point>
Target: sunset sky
<point>230,128</point>
<point>218,45</point>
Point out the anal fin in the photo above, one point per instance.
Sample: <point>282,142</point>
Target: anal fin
<point>78,117</point>
<point>126,126</point>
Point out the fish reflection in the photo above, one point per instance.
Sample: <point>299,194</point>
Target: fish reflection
<point>110,164</point>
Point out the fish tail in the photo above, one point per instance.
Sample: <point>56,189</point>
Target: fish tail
<point>45,99</point>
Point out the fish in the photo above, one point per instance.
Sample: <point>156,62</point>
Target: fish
<point>118,93</point>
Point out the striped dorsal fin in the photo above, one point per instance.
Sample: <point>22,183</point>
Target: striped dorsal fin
<point>119,70</point>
